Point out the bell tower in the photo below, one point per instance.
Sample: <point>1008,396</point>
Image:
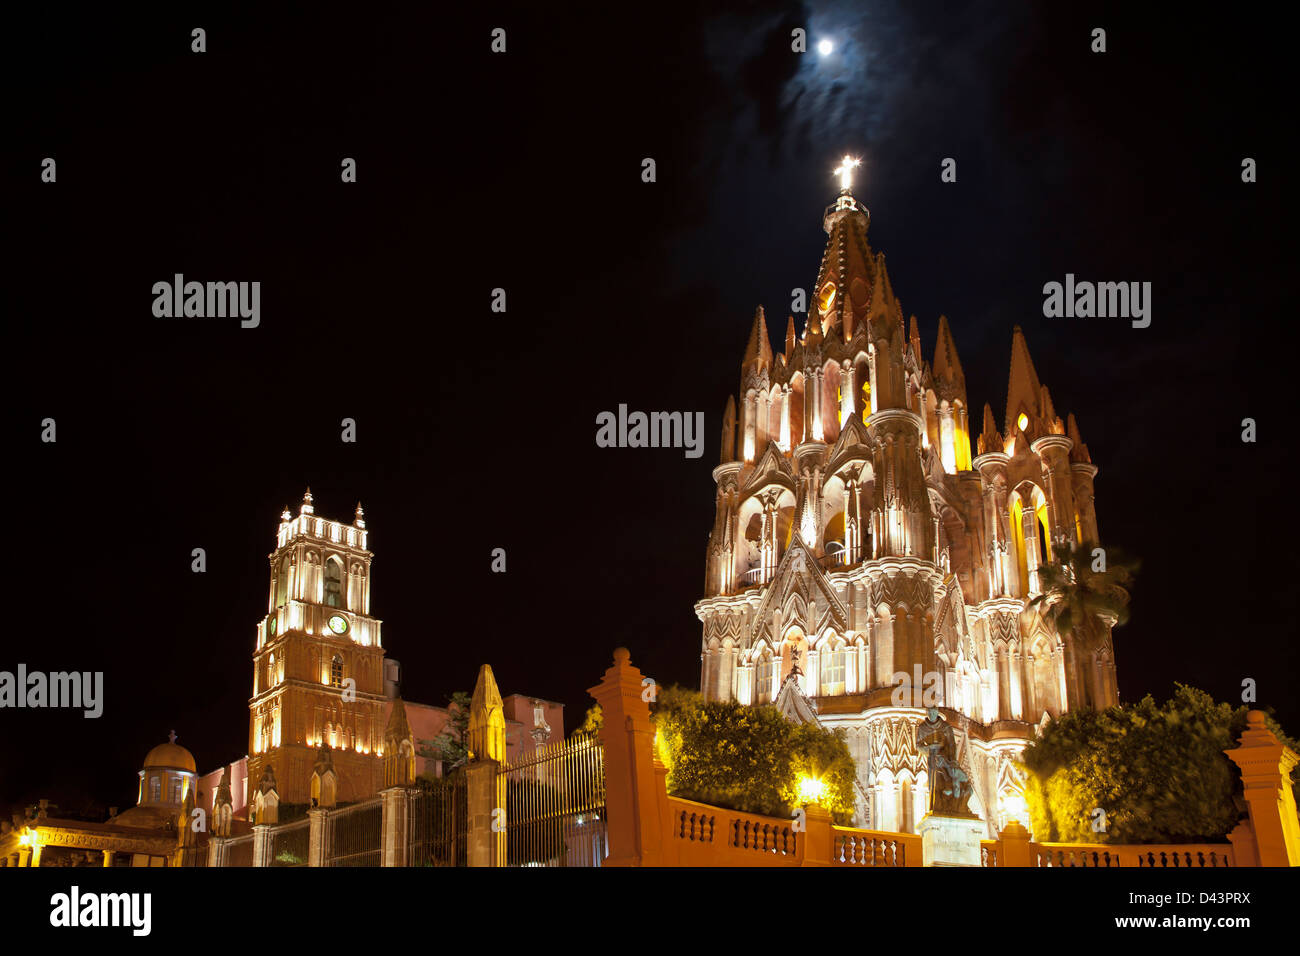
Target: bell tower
<point>318,666</point>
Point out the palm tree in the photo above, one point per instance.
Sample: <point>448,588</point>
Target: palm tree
<point>1075,599</point>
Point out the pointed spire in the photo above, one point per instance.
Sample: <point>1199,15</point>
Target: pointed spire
<point>306,507</point>
<point>360,520</point>
<point>947,366</point>
<point>399,728</point>
<point>805,517</point>
<point>789,338</point>
<point>990,439</point>
<point>1079,453</point>
<point>759,348</point>
<point>285,515</point>
<point>883,303</point>
<point>812,330</point>
<point>487,722</point>
<point>399,760</point>
<point>914,336</point>
<point>842,291</point>
<point>1049,415</point>
<point>729,431</point>
<point>1023,387</point>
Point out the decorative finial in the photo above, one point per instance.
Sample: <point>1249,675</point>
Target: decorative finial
<point>307,508</point>
<point>285,515</point>
<point>172,736</point>
<point>360,521</point>
<point>845,172</point>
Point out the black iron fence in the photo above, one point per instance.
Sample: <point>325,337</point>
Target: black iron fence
<point>439,822</point>
<point>555,805</point>
<point>354,835</point>
<point>240,851</point>
<point>289,843</point>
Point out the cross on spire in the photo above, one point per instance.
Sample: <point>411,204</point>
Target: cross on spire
<point>845,172</point>
<point>172,736</point>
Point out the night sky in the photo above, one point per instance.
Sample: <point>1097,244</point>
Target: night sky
<point>476,429</point>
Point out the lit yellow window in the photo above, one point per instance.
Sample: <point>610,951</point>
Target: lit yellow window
<point>827,297</point>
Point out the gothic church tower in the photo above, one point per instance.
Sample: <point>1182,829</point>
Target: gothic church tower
<point>861,535</point>
<point>318,667</point>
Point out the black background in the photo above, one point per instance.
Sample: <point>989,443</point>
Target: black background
<point>476,429</point>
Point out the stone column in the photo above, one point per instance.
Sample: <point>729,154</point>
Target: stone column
<point>317,848</point>
<point>108,858</point>
<point>218,851</point>
<point>1054,451</point>
<point>635,833</point>
<point>1082,475</point>
<point>1015,845</point>
<point>262,844</point>
<point>671,855</point>
<point>396,814</point>
<point>784,439</point>
<point>750,450</point>
<point>1266,764</point>
<point>817,843</point>
<point>846,392</point>
<point>948,438</point>
<point>486,833</point>
<point>992,467</point>
<point>812,391</point>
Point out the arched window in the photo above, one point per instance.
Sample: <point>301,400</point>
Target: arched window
<point>282,583</point>
<point>766,667</point>
<point>176,789</point>
<point>336,671</point>
<point>832,667</point>
<point>948,439</point>
<point>1044,546</point>
<point>826,298</point>
<point>155,788</point>
<point>333,583</point>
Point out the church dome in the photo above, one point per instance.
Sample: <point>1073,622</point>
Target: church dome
<point>171,756</point>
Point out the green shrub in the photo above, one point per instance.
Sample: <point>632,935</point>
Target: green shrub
<point>1158,772</point>
<point>749,758</point>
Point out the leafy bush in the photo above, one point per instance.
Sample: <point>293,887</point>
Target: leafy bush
<point>1158,772</point>
<point>749,758</point>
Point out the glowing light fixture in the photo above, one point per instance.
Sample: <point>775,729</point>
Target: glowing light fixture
<point>810,790</point>
<point>1022,422</point>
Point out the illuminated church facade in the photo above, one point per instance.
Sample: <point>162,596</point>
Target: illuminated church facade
<point>873,554</point>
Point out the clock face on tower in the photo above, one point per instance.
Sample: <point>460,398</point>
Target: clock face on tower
<point>338,624</point>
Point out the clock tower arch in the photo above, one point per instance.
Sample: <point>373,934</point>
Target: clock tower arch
<point>318,667</point>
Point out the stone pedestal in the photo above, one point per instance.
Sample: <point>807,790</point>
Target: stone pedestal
<point>950,841</point>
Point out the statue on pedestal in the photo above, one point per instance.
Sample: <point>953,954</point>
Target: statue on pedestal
<point>950,786</point>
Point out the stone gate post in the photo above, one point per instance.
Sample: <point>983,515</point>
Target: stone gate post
<point>631,803</point>
<point>1266,764</point>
